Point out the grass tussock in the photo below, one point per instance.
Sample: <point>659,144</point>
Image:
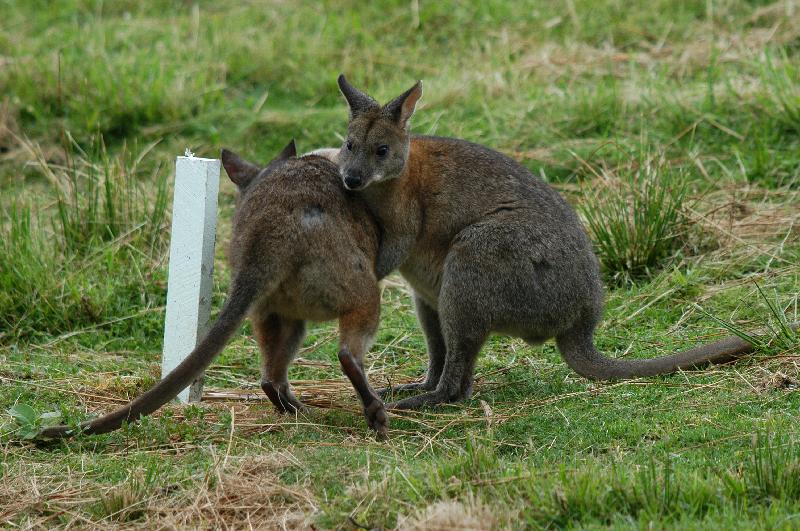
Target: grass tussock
<point>778,334</point>
<point>449,514</point>
<point>781,76</point>
<point>106,218</point>
<point>124,502</point>
<point>635,216</point>
<point>239,493</point>
<point>100,198</point>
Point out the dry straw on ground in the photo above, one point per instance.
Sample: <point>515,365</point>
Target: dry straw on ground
<point>469,515</point>
<point>247,496</point>
<point>242,493</point>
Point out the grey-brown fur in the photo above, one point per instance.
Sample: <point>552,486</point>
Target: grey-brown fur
<point>302,249</point>
<point>486,246</point>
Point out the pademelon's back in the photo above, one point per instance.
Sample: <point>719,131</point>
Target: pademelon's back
<point>320,238</point>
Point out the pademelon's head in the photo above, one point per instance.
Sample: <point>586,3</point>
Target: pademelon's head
<point>243,172</point>
<point>376,146</point>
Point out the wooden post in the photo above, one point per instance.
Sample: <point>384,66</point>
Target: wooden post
<point>191,263</point>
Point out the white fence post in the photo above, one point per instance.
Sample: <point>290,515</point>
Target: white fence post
<point>191,263</point>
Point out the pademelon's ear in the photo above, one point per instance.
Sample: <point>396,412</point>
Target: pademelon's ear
<point>357,100</point>
<point>290,151</point>
<point>239,170</point>
<point>402,107</point>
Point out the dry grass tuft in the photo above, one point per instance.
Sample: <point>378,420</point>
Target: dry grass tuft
<point>31,499</point>
<point>778,381</point>
<point>16,498</point>
<point>745,222</point>
<point>681,57</point>
<point>450,514</point>
<point>249,496</point>
<point>750,215</point>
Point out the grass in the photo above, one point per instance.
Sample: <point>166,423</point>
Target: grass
<point>635,219</point>
<point>107,218</point>
<point>671,126</point>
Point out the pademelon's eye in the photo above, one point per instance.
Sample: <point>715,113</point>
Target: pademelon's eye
<point>382,150</point>
<point>349,145</point>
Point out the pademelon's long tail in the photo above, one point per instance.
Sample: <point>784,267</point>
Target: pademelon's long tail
<point>240,297</point>
<point>579,352</point>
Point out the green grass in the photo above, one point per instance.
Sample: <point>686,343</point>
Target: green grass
<point>107,219</point>
<point>672,126</point>
<point>635,219</point>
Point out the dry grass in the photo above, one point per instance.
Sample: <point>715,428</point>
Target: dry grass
<point>778,25</point>
<point>446,515</point>
<point>681,58</point>
<point>237,493</point>
<point>249,495</point>
<point>748,216</point>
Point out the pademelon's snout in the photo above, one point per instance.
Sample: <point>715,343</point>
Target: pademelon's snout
<point>353,179</point>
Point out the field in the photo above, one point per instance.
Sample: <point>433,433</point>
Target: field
<point>673,127</point>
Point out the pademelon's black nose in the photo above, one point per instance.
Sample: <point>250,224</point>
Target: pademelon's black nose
<point>353,181</point>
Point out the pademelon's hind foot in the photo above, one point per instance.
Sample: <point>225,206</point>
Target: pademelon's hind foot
<point>406,388</point>
<point>282,398</point>
<point>432,398</point>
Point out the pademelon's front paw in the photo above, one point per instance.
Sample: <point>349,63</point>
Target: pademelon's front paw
<point>282,398</point>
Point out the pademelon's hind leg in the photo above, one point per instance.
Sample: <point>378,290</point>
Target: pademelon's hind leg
<point>465,328</point>
<point>357,330</point>
<point>437,351</point>
<point>455,384</point>
<point>279,340</point>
